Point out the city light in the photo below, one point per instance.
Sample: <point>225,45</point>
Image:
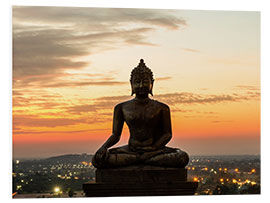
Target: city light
<point>56,189</point>
<point>253,183</point>
<point>84,163</point>
<point>236,170</point>
<point>17,161</point>
<point>195,179</point>
<point>221,179</point>
<point>234,180</point>
<point>193,168</point>
<point>253,171</point>
<point>247,181</point>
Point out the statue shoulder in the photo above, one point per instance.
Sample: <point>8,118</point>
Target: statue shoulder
<point>161,105</point>
<point>122,105</point>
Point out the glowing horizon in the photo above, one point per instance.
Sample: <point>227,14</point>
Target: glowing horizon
<point>71,66</point>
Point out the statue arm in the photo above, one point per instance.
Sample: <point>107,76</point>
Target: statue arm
<point>118,122</point>
<point>166,131</point>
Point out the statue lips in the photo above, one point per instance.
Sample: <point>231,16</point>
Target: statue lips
<point>142,90</point>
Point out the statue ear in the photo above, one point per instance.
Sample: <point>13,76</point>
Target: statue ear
<point>132,91</point>
<point>151,88</point>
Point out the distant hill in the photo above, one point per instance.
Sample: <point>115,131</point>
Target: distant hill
<point>230,157</point>
<point>76,158</point>
<point>69,158</point>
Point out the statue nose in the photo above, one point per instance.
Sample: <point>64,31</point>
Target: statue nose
<point>141,84</point>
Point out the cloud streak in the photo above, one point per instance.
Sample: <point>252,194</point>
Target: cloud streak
<point>34,121</point>
<point>247,87</point>
<point>163,78</point>
<point>97,18</point>
<point>172,99</point>
<point>103,106</point>
<point>48,40</point>
<point>191,98</point>
<point>80,84</point>
<point>191,50</point>
<point>24,132</point>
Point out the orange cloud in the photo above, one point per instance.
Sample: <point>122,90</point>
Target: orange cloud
<point>32,121</point>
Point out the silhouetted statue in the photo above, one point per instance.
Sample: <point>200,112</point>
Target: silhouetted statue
<point>149,124</point>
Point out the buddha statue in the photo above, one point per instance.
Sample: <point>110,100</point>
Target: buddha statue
<point>149,124</point>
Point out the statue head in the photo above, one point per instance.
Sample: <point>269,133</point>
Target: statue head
<point>141,80</point>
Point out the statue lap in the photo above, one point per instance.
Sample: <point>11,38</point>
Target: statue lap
<point>124,156</point>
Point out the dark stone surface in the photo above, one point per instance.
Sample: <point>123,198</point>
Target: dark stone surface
<point>139,173</point>
<point>139,189</point>
<point>140,181</point>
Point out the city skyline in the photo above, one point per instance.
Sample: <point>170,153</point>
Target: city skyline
<point>72,65</point>
<point>69,172</point>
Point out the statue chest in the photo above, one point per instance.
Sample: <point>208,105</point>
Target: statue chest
<point>137,116</point>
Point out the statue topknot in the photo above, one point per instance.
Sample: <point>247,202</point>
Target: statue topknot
<point>141,69</point>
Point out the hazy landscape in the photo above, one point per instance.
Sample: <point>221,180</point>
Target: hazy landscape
<point>63,176</point>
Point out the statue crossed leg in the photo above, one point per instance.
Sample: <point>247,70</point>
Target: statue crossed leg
<point>124,156</point>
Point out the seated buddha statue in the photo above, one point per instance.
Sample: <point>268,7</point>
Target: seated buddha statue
<point>149,124</point>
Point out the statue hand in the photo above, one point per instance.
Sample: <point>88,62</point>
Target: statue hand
<point>101,153</point>
<point>148,155</point>
<point>148,148</point>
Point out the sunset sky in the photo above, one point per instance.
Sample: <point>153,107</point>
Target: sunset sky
<point>71,66</point>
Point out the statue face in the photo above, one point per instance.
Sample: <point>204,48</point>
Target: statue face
<point>142,84</point>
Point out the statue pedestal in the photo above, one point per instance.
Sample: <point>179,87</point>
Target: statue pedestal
<point>140,181</point>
